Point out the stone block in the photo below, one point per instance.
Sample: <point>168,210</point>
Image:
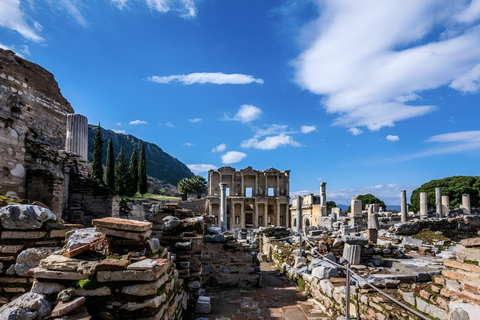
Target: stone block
<point>471,242</point>
<point>453,275</point>
<point>11,249</point>
<point>60,263</point>
<point>47,287</point>
<point>134,275</point>
<point>462,266</point>
<point>138,236</point>
<point>24,216</point>
<point>63,308</point>
<point>145,289</point>
<point>23,234</point>
<point>122,224</point>
<point>203,305</point>
<point>146,264</point>
<point>59,275</point>
<point>112,265</point>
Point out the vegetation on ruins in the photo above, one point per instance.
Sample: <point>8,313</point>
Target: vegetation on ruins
<point>369,199</point>
<point>331,204</point>
<point>199,184</point>
<point>110,174</point>
<point>453,187</point>
<point>184,186</point>
<point>97,170</point>
<point>133,173</point>
<point>142,173</point>
<point>121,175</point>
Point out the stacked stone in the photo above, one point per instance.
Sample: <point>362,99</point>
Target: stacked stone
<point>113,272</point>
<point>157,213</point>
<point>28,234</point>
<point>275,232</point>
<point>184,239</point>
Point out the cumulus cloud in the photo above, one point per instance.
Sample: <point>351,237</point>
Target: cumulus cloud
<point>276,135</point>
<point>188,144</point>
<point>308,129</point>
<point>246,113</point>
<point>118,131</point>
<point>220,148</point>
<point>392,138</point>
<point>199,168</point>
<point>369,58</point>
<point>355,131</point>
<point>13,18</point>
<point>233,157</point>
<point>195,120</point>
<point>206,77</point>
<point>137,122</point>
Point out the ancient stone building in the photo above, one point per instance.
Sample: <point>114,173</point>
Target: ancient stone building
<point>311,210</point>
<point>254,198</point>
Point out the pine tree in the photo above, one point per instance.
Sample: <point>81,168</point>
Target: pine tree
<point>121,175</point>
<point>142,173</point>
<point>133,173</point>
<point>97,171</point>
<point>110,175</point>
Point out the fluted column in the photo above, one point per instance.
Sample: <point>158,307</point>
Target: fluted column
<point>265,215</point>
<point>77,135</point>
<point>445,205</point>
<point>403,203</point>
<point>242,215</point>
<point>299,228</point>
<point>438,201</point>
<point>255,217</point>
<point>466,204</point>
<point>423,204</point>
<point>223,206</point>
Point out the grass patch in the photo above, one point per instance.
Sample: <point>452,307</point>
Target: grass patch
<point>155,197</point>
<point>429,237</point>
<point>475,263</point>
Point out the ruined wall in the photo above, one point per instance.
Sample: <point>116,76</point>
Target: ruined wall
<point>31,107</point>
<point>197,206</point>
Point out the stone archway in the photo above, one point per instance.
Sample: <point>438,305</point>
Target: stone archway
<point>307,222</point>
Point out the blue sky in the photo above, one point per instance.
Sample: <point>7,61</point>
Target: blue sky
<point>369,96</point>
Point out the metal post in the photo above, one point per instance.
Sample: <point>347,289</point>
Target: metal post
<point>347,293</point>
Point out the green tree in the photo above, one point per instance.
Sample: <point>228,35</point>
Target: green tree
<point>142,173</point>
<point>199,184</point>
<point>110,175</point>
<point>97,170</point>
<point>184,186</point>
<point>368,199</point>
<point>133,173</point>
<point>331,204</point>
<point>121,175</point>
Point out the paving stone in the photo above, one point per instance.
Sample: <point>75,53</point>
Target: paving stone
<point>60,263</point>
<point>63,308</point>
<point>146,264</point>
<point>122,224</point>
<point>112,265</point>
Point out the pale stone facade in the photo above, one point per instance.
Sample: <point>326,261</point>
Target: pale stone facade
<point>311,210</point>
<point>254,198</point>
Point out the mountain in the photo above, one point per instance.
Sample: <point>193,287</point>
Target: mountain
<point>160,165</point>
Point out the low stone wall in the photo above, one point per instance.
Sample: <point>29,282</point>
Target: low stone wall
<point>197,206</point>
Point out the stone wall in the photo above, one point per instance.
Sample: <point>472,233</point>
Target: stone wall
<point>197,206</point>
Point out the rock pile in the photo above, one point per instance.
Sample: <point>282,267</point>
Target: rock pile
<point>158,212</point>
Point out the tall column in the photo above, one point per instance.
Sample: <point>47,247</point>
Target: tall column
<point>265,214</point>
<point>466,204</point>
<point>287,185</point>
<point>445,205</point>
<point>278,214</point>
<point>256,193</point>
<point>403,203</point>
<point>77,135</point>
<point>242,216</point>
<point>277,187</point>
<point>299,228</point>
<point>223,206</point>
<point>423,204</point>
<point>323,199</point>
<point>255,217</point>
<point>232,186</point>
<point>266,186</point>
<point>210,209</point>
<point>438,201</point>
<point>232,215</point>
<point>243,185</point>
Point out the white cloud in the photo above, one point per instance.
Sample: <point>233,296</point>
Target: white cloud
<point>392,138</point>
<point>71,9</point>
<point>120,4</point>
<point>270,143</point>
<point>186,8</point>
<point>169,124</point>
<point>199,168</point>
<point>119,123</point>
<point>246,113</point>
<point>17,52</point>
<point>462,136</point>
<point>233,157</point>
<point>118,131</point>
<point>355,131</point>
<point>308,129</point>
<point>195,120</point>
<point>136,122</point>
<point>13,18</point>
<point>369,58</point>
<point>206,77</point>
<point>220,148</point>
<point>188,144</point>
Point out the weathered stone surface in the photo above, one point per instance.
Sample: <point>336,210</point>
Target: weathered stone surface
<point>183,245</point>
<point>153,244</point>
<point>59,275</point>
<point>24,216</point>
<point>324,272</point>
<point>47,287</point>
<point>138,236</point>
<point>133,275</point>
<point>471,242</point>
<point>146,288</point>
<point>65,295</point>
<point>31,258</point>
<point>26,307</point>
<point>10,249</point>
<point>87,267</point>
<point>462,266</point>
<point>63,308</point>
<point>83,237</point>
<point>23,234</point>
<point>122,224</point>
<point>60,263</point>
<point>354,240</point>
<point>102,291</point>
<point>170,223</point>
<point>203,305</point>
<point>146,264</point>
<point>150,303</point>
<point>112,265</point>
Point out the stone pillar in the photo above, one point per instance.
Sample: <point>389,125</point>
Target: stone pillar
<point>256,185</point>
<point>265,214</point>
<point>323,199</point>
<point>299,228</point>
<point>352,253</point>
<point>223,206</point>
<point>423,204</point>
<point>77,135</point>
<point>242,193</point>
<point>438,201</point>
<point>373,221</point>
<point>372,236</point>
<point>278,214</point>
<point>466,204</point>
<point>210,208</point>
<point>335,214</point>
<point>242,215</point>
<point>232,215</point>
<point>277,187</point>
<point>255,217</point>
<point>355,209</point>
<point>445,205</point>
<point>403,203</point>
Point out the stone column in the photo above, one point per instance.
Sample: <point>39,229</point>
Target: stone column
<point>265,214</point>
<point>403,203</point>
<point>278,214</point>
<point>466,204</point>
<point>223,206</point>
<point>255,217</point>
<point>256,185</point>
<point>335,214</point>
<point>232,186</point>
<point>373,221</point>
<point>242,215</point>
<point>232,214</point>
<point>210,192</point>
<point>243,185</point>
<point>438,201</point>
<point>77,135</point>
<point>277,187</point>
<point>299,228</point>
<point>423,204</point>
<point>210,209</point>
<point>323,199</point>
<point>445,205</point>
<point>352,253</point>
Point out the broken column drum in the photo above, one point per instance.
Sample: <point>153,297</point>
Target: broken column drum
<point>323,198</point>
<point>466,204</point>
<point>352,253</point>
<point>299,228</point>
<point>77,135</point>
<point>423,204</point>
<point>223,206</point>
<point>438,201</point>
<point>445,205</point>
<point>404,213</point>
<point>373,221</point>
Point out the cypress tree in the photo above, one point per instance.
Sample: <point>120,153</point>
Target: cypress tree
<point>121,175</point>
<point>110,175</point>
<point>97,171</point>
<point>142,173</point>
<point>133,172</point>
